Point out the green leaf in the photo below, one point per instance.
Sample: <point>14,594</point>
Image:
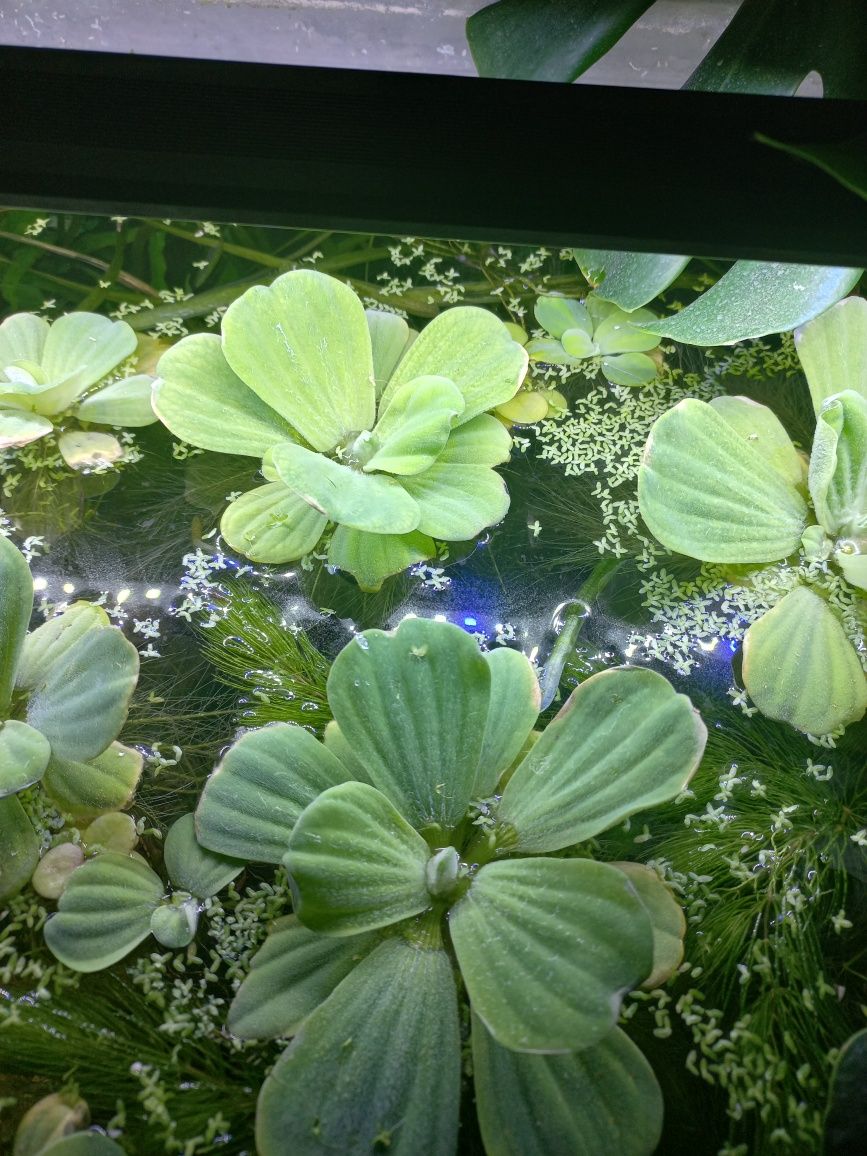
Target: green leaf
<point>755,298</point>
<point>82,700</point>
<point>251,802</point>
<point>335,742</point>
<point>833,350</point>
<point>48,643</point>
<point>602,1099</point>
<point>16,606</point>
<point>192,867</point>
<point>84,1144</point>
<point>18,427</point>
<point>629,280</point>
<point>293,972</point>
<point>389,336</point>
<point>173,925</point>
<point>302,344</point>
<point>472,348</point>
<point>199,397</point>
<point>377,1065</point>
<point>125,403</point>
<point>548,948</point>
<point>484,441</point>
<point>272,524</point>
<point>838,465</point>
<point>106,783</point>
<point>547,40</point>
<point>355,864</point>
<point>577,343</point>
<point>19,847</point>
<point>88,449</point>
<point>846,1118</point>
<point>104,912</point>
<point>24,755</point>
<point>666,918</point>
<point>415,426</point>
<point>559,315</point>
<point>412,705</point>
<point>22,338</point>
<point>704,491</point>
<point>552,352</point>
<point>621,332</point>
<point>845,161</point>
<point>629,369</point>
<point>800,667</point>
<point>764,432</point>
<point>624,741</point>
<point>51,1118</point>
<point>458,502</point>
<point>371,558</point>
<point>87,345</point>
<point>361,501</point>
<point>514,707</point>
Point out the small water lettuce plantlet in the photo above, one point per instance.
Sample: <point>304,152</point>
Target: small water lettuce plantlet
<point>578,331</point>
<point>723,482</point>
<point>420,839</point>
<point>53,380</point>
<point>64,693</point>
<point>362,426</point>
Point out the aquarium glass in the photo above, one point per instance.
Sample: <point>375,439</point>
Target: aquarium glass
<point>432,693</point>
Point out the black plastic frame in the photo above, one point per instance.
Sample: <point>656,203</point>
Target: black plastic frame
<point>430,156</point>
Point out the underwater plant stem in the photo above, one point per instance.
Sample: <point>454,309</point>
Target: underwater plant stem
<point>121,277</point>
<point>574,614</point>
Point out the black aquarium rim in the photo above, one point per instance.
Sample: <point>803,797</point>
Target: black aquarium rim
<point>461,157</point>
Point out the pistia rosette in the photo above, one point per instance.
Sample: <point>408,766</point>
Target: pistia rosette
<point>400,843</point>
<point>52,372</point>
<point>64,693</point>
<point>363,427</point>
<point>723,482</point>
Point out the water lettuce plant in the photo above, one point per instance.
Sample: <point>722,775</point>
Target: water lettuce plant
<point>362,426</point>
<point>64,693</point>
<point>595,329</point>
<point>51,372</point>
<point>723,482</point>
<point>421,831</point>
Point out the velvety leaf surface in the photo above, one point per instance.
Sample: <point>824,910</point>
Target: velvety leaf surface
<point>629,369</point>
<point>838,465</point>
<point>558,315</point>
<point>354,863</point>
<point>371,558</point>
<point>760,427</point>
<point>48,643</point>
<point>22,338</point>
<point>24,755</point>
<point>106,783</point>
<point>16,605</point>
<point>389,337</point>
<point>755,298</point>
<point>457,502</point>
<point>84,1144</point>
<point>377,1064</point>
<point>201,399</point>
<point>393,695</point>
<point>630,280</point>
<point>82,701</point>
<point>334,741</point>
<point>19,847</point>
<point>666,917</point>
<point>104,912</point>
<point>293,972</point>
<point>194,868</point>
<point>126,403</point>
<point>705,492</point>
<point>361,501</point>
<point>604,1099</point>
<point>515,704</point>
<point>19,426</point>
<point>271,523</point>
<point>483,441</point>
<point>87,345</point>
<point>833,350</point>
<point>415,425</point>
<point>800,667</point>
<point>472,348</point>
<point>547,949</point>
<point>624,741</point>
<point>251,802</point>
<point>547,40</point>
<point>302,344</point>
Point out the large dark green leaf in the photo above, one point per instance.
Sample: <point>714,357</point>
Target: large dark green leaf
<point>354,863</point>
<point>252,800</point>
<point>376,1067</point>
<point>630,280</point>
<point>604,1099</point>
<point>19,847</point>
<point>755,298</point>
<point>547,39</point>
<point>16,605</point>
<point>770,46</point>
<point>547,949</point>
<point>846,1121</point>
<point>624,741</point>
<point>845,161</point>
<point>412,704</point>
<point>293,972</point>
